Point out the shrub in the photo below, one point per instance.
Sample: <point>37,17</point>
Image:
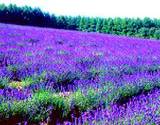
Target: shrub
<point>79,101</point>
<point>3,82</point>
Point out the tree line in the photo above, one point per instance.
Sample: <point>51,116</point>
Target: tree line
<point>145,28</point>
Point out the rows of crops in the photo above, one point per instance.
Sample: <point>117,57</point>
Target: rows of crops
<point>52,77</point>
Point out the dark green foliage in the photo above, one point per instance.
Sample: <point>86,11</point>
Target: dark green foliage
<point>99,24</point>
<point>3,82</point>
<point>128,91</point>
<point>83,25</point>
<point>157,34</point>
<point>145,28</point>
<point>104,26</point>
<point>14,70</point>
<point>62,22</point>
<point>44,104</point>
<point>92,25</point>
<point>35,109</point>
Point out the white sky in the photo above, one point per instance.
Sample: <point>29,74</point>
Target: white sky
<point>103,8</point>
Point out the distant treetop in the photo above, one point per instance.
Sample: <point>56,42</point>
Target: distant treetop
<point>145,28</point>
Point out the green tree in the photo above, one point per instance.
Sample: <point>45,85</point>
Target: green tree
<point>146,28</point>
<point>143,32</point>
<point>99,24</point>
<point>3,10</point>
<point>109,28</point>
<point>157,34</point>
<point>92,25</point>
<point>71,23</point>
<point>104,26</point>
<point>148,23</point>
<point>82,24</point>
<point>152,32</point>
<point>117,24</point>
<point>61,22</point>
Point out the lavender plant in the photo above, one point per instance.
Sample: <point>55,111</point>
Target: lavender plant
<point>84,78</point>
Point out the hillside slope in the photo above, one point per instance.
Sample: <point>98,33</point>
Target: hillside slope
<point>44,72</point>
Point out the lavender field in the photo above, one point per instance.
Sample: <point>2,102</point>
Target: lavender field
<point>51,77</point>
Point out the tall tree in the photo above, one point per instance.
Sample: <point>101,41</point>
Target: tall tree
<point>99,24</point>
<point>157,34</point>
<point>146,28</point>
<point>92,25</point>
<point>61,22</point>
<point>104,26</point>
<point>82,24</point>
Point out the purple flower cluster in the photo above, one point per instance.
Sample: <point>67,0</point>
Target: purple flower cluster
<point>144,109</point>
<point>66,61</point>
